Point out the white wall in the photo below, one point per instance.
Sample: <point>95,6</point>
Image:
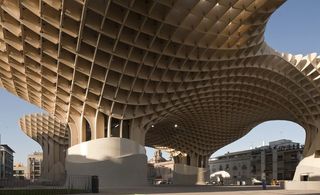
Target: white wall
<point>308,166</point>
<point>116,161</point>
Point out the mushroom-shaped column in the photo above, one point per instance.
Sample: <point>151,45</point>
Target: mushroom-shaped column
<point>309,167</point>
<point>190,169</point>
<point>113,69</point>
<point>53,138</point>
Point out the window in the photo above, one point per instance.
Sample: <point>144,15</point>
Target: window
<point>204,162</point>
<point>304,177</point>
<point>88,131</point>
<point>317,154</point>
<point>199,160</point>
<point>126,129</point>
<point>254,169</point>
<point>293,156</point>
<point>106,118</point>
<point>188,160</point>
<point>115,127</point>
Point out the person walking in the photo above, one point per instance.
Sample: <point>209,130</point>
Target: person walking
<point>264,182</point>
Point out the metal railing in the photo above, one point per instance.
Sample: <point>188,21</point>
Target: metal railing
<point>79,183</point>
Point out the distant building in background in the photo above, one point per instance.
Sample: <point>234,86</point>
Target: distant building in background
<point>19,171</point>
<point>34,162</point>
<point>157,157</point>
<point>6,162</point>
<point>160,169</point>
<point>278,161</point>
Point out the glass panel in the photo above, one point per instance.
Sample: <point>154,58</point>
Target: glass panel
<point>106,118</point>
<point>126,129</point>
<point>115,127</point>
<point>317,154</point>
<point>188,160</point>
<point>199,161</point>
<point>88,131</point>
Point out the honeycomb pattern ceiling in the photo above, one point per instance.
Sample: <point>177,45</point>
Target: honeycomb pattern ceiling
<point>42,127</point>
<point>197,73</point>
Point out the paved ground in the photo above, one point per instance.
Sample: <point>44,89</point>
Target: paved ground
<point>206,190</point>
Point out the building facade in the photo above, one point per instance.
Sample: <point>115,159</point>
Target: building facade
<point>160,169</point>
<point>19,171</point>
<point>6,162</point>
<point>277,161</point>
<point>34,164</point>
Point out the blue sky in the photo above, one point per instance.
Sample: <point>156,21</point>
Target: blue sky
<point>293,28</point>
<point>12,109</point>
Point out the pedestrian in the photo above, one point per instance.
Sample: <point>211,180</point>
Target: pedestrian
<point>264,183</point>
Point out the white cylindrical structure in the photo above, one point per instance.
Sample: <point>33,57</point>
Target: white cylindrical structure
<point>116,161</point>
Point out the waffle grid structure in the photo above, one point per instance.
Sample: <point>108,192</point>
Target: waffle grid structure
<point>41,127</point>
<point>195,75</point>
<point>53,137</point>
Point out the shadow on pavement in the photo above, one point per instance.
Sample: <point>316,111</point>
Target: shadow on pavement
<point>165,189</point>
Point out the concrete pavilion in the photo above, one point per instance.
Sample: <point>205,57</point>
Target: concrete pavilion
<point>188,76</point>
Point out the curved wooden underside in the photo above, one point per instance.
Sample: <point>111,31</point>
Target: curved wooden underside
<point>53,138</point>
<point>41,127</point>
<point>202,65</point>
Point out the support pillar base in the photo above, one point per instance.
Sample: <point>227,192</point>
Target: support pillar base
<point>116,161</point>
<point>308,169</point>
<point>56,175</point>
<point>190,175</point>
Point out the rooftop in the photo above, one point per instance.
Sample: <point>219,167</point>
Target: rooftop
<point>277,143</point>
<point>6,147</point>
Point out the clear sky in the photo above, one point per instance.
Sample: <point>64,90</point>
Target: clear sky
<point>12,109</point>
<point>293,28</point>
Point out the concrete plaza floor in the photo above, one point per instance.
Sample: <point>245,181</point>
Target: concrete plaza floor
<point>206,190</point>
